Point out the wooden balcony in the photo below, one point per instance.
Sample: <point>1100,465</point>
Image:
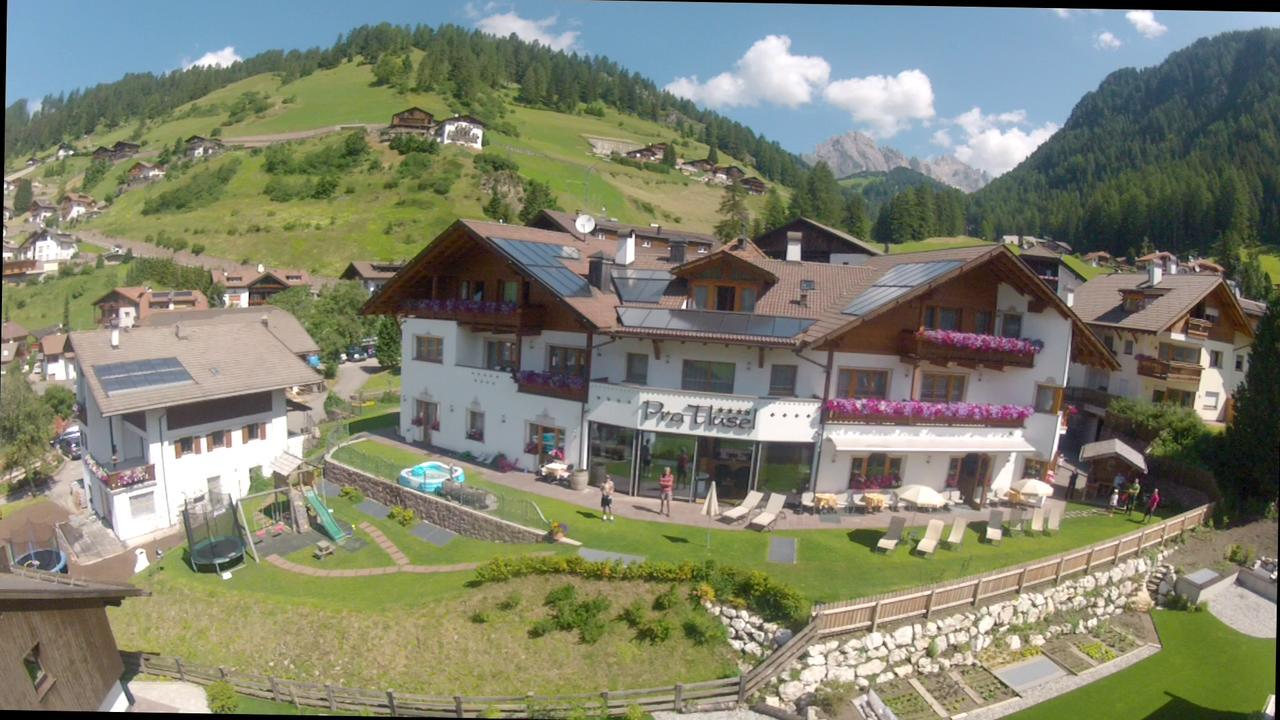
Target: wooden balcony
<point>1198,328</point>
<point>914,413</point>
<point>124,474</point>
<point>526,319</point>
<point>922,421</point>
<point>1172,370</point>
<point>912,347</point>
<point>541,384</point>
<point>1088,396</point>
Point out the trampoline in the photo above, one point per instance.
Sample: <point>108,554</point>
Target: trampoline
<point>215,536</point>
<point>49,560</point>
<point>37,547</point>
<point>217,552</point>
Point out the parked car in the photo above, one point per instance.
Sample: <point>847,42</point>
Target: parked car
<point>356,354</point>
<point>70,446</point>
<point>71,431</point>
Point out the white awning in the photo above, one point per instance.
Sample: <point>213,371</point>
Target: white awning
<point>929,442</point>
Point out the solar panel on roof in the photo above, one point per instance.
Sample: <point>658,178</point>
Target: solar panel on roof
<point>140,374</point>
<point>807,285</point>
<point>900,280</point>
<point>637,285</point>
<point>713,322</point>
<point>543,260</point>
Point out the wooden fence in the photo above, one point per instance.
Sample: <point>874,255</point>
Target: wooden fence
<point>869,613</point>
<point>333,698</point>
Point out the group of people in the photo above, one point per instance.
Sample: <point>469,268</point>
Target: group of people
<point>1126,495</point>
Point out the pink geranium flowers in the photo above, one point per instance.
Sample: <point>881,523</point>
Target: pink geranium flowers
<point>981,343</point>
<point>926,413</point>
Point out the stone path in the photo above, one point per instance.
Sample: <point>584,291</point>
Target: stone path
<point>167,697</point>
<point>1245,611</point>
<point>397,557</point>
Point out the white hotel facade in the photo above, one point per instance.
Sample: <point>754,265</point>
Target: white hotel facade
<point>733,367</point>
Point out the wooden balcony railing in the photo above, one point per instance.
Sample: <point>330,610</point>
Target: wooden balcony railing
<point>122,477</point>
<point>547,385</point>
<point>1169,369</point>
<point>1198,327</point>
<point>1088,396</point>
<point>498,316</point>
<point>914,347</point>
<point>858,412</point>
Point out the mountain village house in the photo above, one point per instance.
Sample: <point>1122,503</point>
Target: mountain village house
<point>47,247</point>
<point>41,211</point>
<point>461,130</point>
<point>250,288</point>
<point>648,153</point>
<point>1180,338</point>
<point>64,151</point>
<point>75,205</point>
<point>57,361</point>
<point>59,653</point>
<point>178,413</point>
<point>647,236</point>
<point>816,243</point>
<point>119,151</point>
<point>141,172</point>
<point>753,186</point>
<point>1049,265</point>
<point>281,324</point>
<point>944,368</point>
<point>124,307</point>
<point>728,174</point>
<point>201,147</point>
<point>372,275</point>
<point>414,121</point>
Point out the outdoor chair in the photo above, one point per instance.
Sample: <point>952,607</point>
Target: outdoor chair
<point>995,526</point>
<point>1055,519</point>
<point>1016,521</point>
<point>894,535</point>
<point>957,533</point>
<point>807,502</point>
<point>1037,520</point>
<point>844,501</point>
<point>748,504</point>
<point>932,534</point>
<point>765,519</point>
<point>856,502</point>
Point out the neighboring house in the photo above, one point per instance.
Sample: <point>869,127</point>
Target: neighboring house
<point>414,120</point>
<point>1099,258</point>
<point>1166,261</point>
<point>703,165</point>
<point>64,151</point>
<point>649,153</point>
<point>1048,265</point>
<point>728,174</point>
<point>1202,265</point>
<point>47,246</point>
<point>144,172</point>
<point>814,242</point>
<point>250,288</point>
<point>180,413</point>
<point>104,153</point>
<point>284,326</point>
<point>9,352</point>
<point>23,270</point>
<point>74,205</point>
<point>125,307</point>
<point>753,186</point>
<point>520,341</point>
<point>371,274</point>
<point>42,211</point>
<point>647,236</point>
<point>57,361</point>
<point>123,149</point>
<point>59,653</point>
<point>1183,339</point>
<point>10,250</point>
<point>461,130</point>
<point>202,147</point>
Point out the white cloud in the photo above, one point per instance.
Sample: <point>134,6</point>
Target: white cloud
<point>539,31</point>
<point>1144,21</point>
<point>1106,41</point>
<point>1063,13</point>
<point>766,72</point>
<point>214,58</point>
<point>941,138</point>
<point>33,106</point>
<point>473,11</point>
<point>887,104</point>
<point>1067,13</point>
<point>989,146</point>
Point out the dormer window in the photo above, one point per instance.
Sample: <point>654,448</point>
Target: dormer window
<point>702,250</point>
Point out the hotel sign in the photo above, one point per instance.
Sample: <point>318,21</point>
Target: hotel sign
<point>698,417</point>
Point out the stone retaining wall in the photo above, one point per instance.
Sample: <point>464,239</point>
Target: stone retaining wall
<point>436,511</point>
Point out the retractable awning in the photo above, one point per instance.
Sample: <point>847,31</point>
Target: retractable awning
<point>1113,448</point>
<point>929,442</point>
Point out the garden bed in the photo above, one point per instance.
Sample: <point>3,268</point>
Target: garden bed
<point>905,701</point>
<point>948,692</point>
<point>1062,650</point>
<point>985,684</point>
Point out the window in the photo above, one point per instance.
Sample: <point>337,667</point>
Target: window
<point>475,425</point>
<point>941,318</point>
<point>218,439</point>
<point>863,384</point>
<point>464,289</point>
<point>953,472</point>
<point>186,446</point>
<point>1215,358</point>
<point>700,298</point>
<point>253,431</point>
<point>748,300</point>
<point>500,354</point>
<point>1128,347</point>
<point>430,414</point>
<point>510,291</point>
<point>1240,362</point>
<point>538,438</point>
<point>1011,325</point>
<point>982,322</point>
<point>782,380</point>
<point>428,348</point>
<point>477,291</point>
<point>142,505</point>
<point>1180,353</point>
<point>726,296</point>
<point>1110,341</point>
<point>876,470</point>
<point>1032,468</point>
<point>1048,398</point>
<point>40,680</point>
<point>1176,397</point>
<point>936,387</point>
<point>638,368</point>
<point>567,361</point>
<point>1211,401</point>
<point>707,376</point>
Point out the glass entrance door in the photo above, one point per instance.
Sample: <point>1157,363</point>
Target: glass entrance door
<point>726,462</point>
<point>612,455</point>
<point>659,451</point>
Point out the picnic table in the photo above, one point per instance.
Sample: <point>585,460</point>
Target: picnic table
<point>875,502</point>
<point>323,549</point>
<point>825,501</point>
<point>556,471</point>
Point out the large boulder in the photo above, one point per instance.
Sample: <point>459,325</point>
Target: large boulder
<point>1014,642</point>
<point>813,675</point>
<point>874,640</point>
<point>841,674</point>
<point>985,623</point>
<point>870,668</point>
<point>790,691</point>
<point>902,636</point>
<point>782,636</point>
<point>816,661</point>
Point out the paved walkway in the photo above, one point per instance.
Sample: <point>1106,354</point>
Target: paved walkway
<point>1245,611</point>
<point>168,697</point>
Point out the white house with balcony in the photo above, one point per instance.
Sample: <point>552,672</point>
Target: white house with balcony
<point>461,130</point>
<point>174,414</point>
<point>944,368</point>
<point>47,246</point>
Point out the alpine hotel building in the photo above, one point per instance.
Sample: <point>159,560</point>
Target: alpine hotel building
<point>944,368</point>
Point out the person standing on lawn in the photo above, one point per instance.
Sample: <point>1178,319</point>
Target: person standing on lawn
<point>1071,483</point>
<point>1152,504</point>
<point>1114,504</point>
<point>667,483</point>
<point>1135,495</point>
<point>606,499</point>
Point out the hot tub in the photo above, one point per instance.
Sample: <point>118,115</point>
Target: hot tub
<point>429,477</point>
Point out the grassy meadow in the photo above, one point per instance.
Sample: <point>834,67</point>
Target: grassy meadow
<point>40,304</point>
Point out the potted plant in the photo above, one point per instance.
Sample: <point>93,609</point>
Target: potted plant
<point>558,531</point>
<point>418,421</point>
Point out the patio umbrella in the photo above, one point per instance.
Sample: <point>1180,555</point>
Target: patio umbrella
<point>711,506</point>
<point>1031,486</point>
<point>921,496</point>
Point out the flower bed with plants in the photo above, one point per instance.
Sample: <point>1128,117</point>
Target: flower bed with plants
<point>919,412</point>
<point>553,382</point>
<point>981,343</point>
<point>461,307</point>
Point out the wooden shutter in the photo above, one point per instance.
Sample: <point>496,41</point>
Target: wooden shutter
<point>244,434</point>
<point>177,449</point>
<point>195,443</point>
<point>262,431</point>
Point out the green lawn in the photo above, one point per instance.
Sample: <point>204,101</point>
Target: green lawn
<point>1206,670</point>
<point>1086,270</point>
<point>257,706</point>
<point>40,304</point>
<point>833,564</point>
<point>382,381</point>
<point>1270,259</point>
<point>939,243</point>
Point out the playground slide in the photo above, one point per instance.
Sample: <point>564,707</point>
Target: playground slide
<point>326,519</point>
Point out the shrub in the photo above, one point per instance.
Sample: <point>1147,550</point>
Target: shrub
<point>704,592</point>
<point>481,617</point>
<point>1097,651</point>
<point>510,602</point>
<point>834,698</point>
<point>222,698</point>
<point>702,629</point>
<point>667,599</point>
<point>352,494</point>
<point>1241,555</point>
<point>491,163</point>
<point>200,190</point>
<point>403,515</point>
<point>654,631</point>
<point>633,614</point>
<point>635,712</point>
<point>564,594</point>
<point>197,249</point>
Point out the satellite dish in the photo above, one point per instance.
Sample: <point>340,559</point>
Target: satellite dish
<point>585,223</point>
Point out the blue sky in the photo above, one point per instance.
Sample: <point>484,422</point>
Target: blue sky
<point>985,84</point>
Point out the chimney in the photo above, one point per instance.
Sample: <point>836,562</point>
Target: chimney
<point>115,339</point>
<point>177,331</point>
<point>677,252</point>
<point>265,322</point>
<point>1068,296</point>
<point>793,246</point>
<point>1154,273</point>
<point>626,249</point>
<point>262,268</point>
<point>596,271</point>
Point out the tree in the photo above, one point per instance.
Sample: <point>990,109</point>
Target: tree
<point>1251,460</point>
<point>497,207</point>
<point>22,196</point>
<point>538,196</point>
<point>669,154</point>
<point>61,401</point>
<point>856,220</point>
<point>736,220</point>
<point>26,425</point>
<point>775,212</point>
<point>66,312</point>
<point>386,71</point>
<point>388,342</point>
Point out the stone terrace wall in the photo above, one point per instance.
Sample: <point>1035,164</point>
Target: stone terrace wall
<point>436,511</point>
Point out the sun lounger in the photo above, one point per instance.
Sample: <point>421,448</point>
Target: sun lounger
<point>995,526</point>
<point>844,501</point>
<point>1016,520</point>
<point>1037,520</point>
<point>1055,518</point>
<point>856,502</point>
<point>957,533</point>
<point>807,502</point>
<point>772,509</point>
<point>932,534</point>
<point>894,535</point>
<point>749,503</point>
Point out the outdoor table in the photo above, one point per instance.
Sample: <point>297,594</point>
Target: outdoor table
<point>825,501</point>
<point>875,502</point>
<point>323,549</point>
<point>556,470</point>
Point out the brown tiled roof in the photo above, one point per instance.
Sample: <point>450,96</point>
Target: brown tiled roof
<point>14,331</point>
<point>283,325</point>
<point>248,276</point>
<point>132,293</point>
<point>223,360</point>
<point>1101,300</point>
<point>371,270</point>
<point>54,344</point>
<point>565,221</point>
<point>839,234</point>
